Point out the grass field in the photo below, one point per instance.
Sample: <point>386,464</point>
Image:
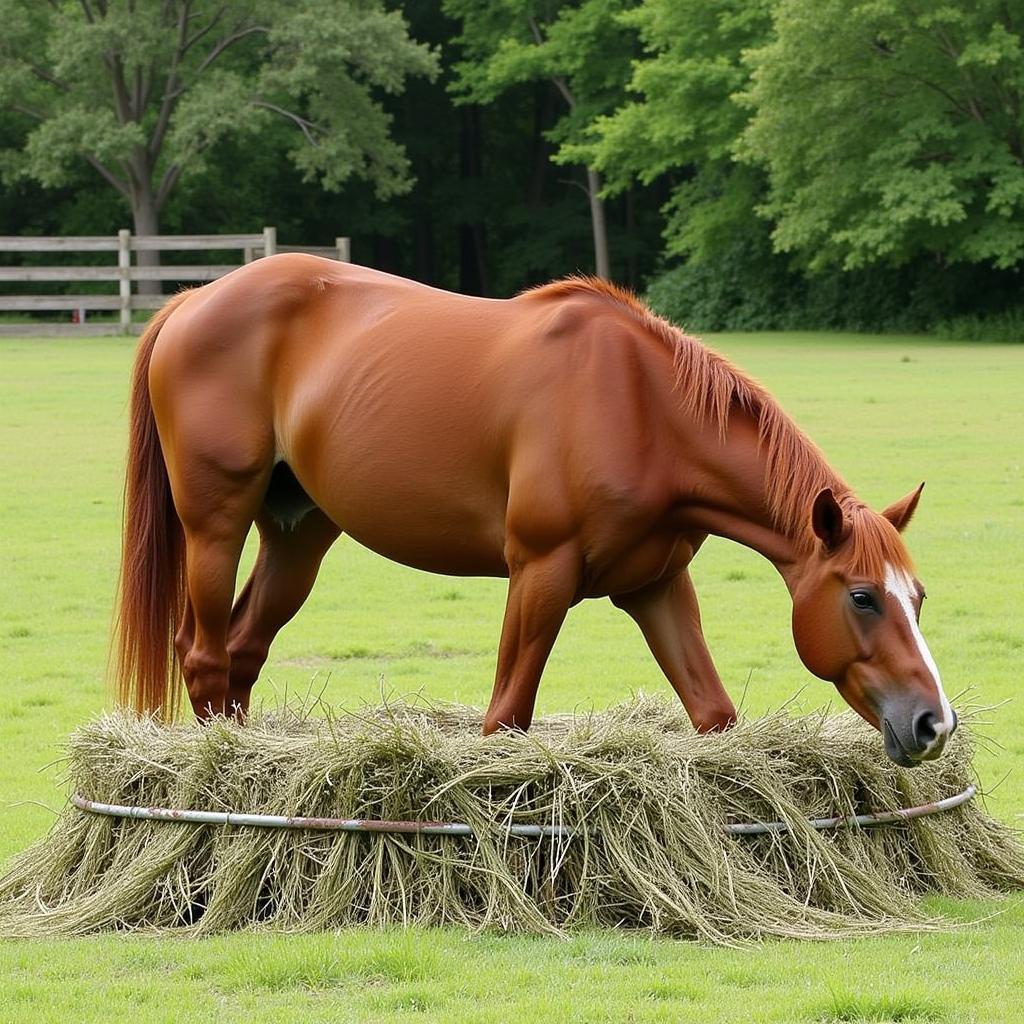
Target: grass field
<point>888,413</point>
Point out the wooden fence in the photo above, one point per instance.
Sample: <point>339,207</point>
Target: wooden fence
<point>125,273</point>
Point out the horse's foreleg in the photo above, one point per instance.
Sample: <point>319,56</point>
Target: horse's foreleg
<point>669,618</point>
<point>285,571</point>
<point>539,594</point>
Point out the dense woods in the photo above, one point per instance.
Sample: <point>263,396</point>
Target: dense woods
<point>748,164</point>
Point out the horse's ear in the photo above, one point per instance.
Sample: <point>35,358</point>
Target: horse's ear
<point>899,513</point>
<point>827,520</point>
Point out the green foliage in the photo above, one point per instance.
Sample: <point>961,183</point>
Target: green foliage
<point>891,130</point>
<point>335,61</point>
<point>683,117</point>
<point>740,289</point>
<point>581,46</point>
<point>1007,325</point>
<point>848,163</point>
<point>144,90</point>
<point>747,287</point>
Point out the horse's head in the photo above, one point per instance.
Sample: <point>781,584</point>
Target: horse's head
<point>856,607</point>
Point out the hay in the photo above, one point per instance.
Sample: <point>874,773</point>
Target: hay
<point>651,796</point>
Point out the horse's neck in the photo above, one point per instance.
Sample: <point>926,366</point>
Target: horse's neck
<point>731,499</point>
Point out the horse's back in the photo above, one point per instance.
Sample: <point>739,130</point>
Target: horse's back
<point>415,418</point>
<point>376,391</point>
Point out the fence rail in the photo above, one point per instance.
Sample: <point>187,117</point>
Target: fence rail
<point>125,273</point>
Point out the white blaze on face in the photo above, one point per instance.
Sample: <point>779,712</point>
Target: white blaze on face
<point>901,586</point>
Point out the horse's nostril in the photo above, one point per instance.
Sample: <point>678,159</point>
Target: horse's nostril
<point>956,721</point>
<point>924,729</point>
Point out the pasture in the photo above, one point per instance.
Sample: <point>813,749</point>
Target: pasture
<point>888,412</point>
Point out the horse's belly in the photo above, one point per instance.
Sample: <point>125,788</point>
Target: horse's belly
<point>424,535</point>
<point>419,513</point>
<point>462,559</point>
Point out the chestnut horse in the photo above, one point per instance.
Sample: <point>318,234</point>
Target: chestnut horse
<point>567,439</point>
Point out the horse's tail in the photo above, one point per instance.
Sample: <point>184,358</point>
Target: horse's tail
<point>151,597</point>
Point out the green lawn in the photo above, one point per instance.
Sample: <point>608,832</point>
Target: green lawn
<point>888,412</point>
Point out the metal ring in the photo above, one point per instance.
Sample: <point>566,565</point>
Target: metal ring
<point>455,828</point>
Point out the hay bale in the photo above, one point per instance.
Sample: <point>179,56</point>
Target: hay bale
<point>649,799</point>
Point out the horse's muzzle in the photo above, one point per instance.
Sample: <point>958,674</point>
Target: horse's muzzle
<point>915,737</point>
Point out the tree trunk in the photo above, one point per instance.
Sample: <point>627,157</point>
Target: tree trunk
<point>146,220</point>
<point>602,267</point>
<point>423,247</point>
<point>387,255</point>
<point>631,272</point>
<point>541,149</point>
<point>474,278</point>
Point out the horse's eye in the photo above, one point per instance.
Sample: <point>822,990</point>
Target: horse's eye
<point>864,601</point>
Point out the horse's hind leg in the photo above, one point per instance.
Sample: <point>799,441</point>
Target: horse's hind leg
<point>285,570</point>
<point>216,510</point>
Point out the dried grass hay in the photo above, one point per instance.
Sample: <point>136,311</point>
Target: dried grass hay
<point>647,799</point>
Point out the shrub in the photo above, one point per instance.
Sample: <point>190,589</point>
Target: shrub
<point>748,287</point>
<point>1007,325</point>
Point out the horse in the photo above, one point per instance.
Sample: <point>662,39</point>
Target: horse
<point>567,439</point>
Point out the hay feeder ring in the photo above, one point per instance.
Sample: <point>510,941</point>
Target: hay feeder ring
<point>457,828</point>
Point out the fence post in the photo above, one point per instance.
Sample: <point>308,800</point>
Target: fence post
<point>124,284</point>
<point>269,241</point>
<point>344,249</point>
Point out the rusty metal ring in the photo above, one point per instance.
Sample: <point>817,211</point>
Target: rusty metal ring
<point>455,828</point>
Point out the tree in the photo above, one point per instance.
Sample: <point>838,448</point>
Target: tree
<point>682,119</point>
<point>580,48</point>
<point>143,90</point>
<point>892,130</point>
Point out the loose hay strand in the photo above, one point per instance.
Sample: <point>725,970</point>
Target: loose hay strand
<point>647,801</point>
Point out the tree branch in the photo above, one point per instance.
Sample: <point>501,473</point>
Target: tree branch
<point>575,184</point>
<point>167,182</point>
<point>108,176</point>
<point>171,91</point>
<point>968,110</point>
<point>563,88</point>
<point>948,47</point>
<point>20,108</point>
<point>560,83</point>
<point>137,98</point>
<point>210,26</point>
<point>147,87</point>
<point>218,49</point>
<point>227,41</point>
<point>121,100</point>
<point>44,76</point>
<point>306,126</point>
<point>877,83</point>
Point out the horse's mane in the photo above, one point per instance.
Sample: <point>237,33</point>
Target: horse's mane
<point>710,387</point>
